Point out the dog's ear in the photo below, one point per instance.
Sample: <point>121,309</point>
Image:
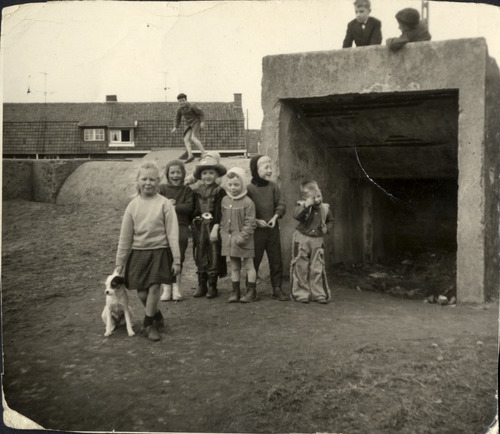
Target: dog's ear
<point>117,281</point>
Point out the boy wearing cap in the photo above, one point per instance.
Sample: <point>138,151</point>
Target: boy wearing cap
<point>207,217</point>
<point>194,119</point>
<point>363,30</point>
<point>412,29</point>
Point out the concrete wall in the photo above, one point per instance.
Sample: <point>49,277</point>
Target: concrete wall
<point>492,179</point>
<point>36,180</point>
<point>17,179</point>
<point>426,66</point>
<point>299,150</point>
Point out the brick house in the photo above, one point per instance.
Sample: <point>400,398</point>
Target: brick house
<point>112,128</point>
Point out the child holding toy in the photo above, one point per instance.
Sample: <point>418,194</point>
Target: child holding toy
<point>148,248</point>
<point>237,227</point>
<point>307,274</point>
<point>207,217</point>
<point>182,198</point>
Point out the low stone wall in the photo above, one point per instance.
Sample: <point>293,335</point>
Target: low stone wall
<point>17,179</point>
<point>36,180</point>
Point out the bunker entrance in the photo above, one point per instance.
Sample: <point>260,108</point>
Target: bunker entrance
<point>386,161</point>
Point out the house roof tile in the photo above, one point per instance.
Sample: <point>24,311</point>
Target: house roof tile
<point>111,113</point>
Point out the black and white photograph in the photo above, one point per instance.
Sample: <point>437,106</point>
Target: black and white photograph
<point>276,216</point>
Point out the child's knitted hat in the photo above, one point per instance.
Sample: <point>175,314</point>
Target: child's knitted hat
<point>408,16</point>
<point>254,170</point>
<point>253,165</point>
<point>240,173</point>
<point>210,160</point>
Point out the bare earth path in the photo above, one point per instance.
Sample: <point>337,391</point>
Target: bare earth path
<point>367,362</point>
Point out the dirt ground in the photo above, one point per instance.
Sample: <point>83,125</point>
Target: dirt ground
<point>367,362</point>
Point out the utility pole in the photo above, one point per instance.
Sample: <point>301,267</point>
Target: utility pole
<point>425,11</point>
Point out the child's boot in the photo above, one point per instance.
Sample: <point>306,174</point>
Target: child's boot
<point>278,294</point>
<point>158,320</point>
<point>202,285</point>
<point>251,294</point>
<point>212,287</point>
<point>150,329</point>
<point>166,295</point>
<point>235,293</point>
<point>176,293</point>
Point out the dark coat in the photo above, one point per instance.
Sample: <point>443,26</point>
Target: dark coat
<point>371,35</point>
<point>418,33</point>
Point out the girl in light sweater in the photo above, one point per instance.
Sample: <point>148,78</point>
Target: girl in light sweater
<point>148,249</point>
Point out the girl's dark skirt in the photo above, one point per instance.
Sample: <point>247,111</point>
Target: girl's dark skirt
<point>148,267</point>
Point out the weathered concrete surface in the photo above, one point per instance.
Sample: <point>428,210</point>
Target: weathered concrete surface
<point>37,180</point>
<point>300,152</point>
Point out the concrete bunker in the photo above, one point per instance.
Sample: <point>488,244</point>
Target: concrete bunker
<point>405,147</point>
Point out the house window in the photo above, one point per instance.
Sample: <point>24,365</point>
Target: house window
<point>93,134</point>
<point>124,137</point>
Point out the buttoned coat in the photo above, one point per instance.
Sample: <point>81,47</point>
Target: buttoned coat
<point>371,35</point>
<point>237,227</point>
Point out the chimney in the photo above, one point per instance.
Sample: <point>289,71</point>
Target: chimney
<point>111,98</point>
<point>237,100</point>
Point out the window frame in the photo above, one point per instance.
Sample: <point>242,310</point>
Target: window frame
<point>97,134</point>
<point>119,142</point>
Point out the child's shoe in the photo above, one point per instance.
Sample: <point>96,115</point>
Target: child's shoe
<point>321,301</point>
<point>151,333</point>
<point>158,320</point>
<point>212,291</point>
<point>278,294</point>
<point>212,287</point>
<point>202,289</point>
<point>176,294</point>
<point>167,292</point>
<point>235,293</point>
<point>251,294</point>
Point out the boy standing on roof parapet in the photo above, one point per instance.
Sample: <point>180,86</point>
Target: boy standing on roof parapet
<point>194,118</point>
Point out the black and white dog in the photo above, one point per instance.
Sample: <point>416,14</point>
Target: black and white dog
<point>116,311</point>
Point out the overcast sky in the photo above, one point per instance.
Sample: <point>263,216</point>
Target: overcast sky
<point>84,50</point>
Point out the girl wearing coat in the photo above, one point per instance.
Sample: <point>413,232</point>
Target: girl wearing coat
<point>237,228</point>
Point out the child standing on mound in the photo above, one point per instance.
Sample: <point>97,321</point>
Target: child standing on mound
<point>269,207</point>
<point>237,227</point>
<point>182,199</point>
<point>207,217</point>
<point>148,248</point>
<point>307,274</point>
<point>194,118</point>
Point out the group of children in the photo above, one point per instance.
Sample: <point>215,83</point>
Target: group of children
<point>233,220</point>
<point>365,30</point>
